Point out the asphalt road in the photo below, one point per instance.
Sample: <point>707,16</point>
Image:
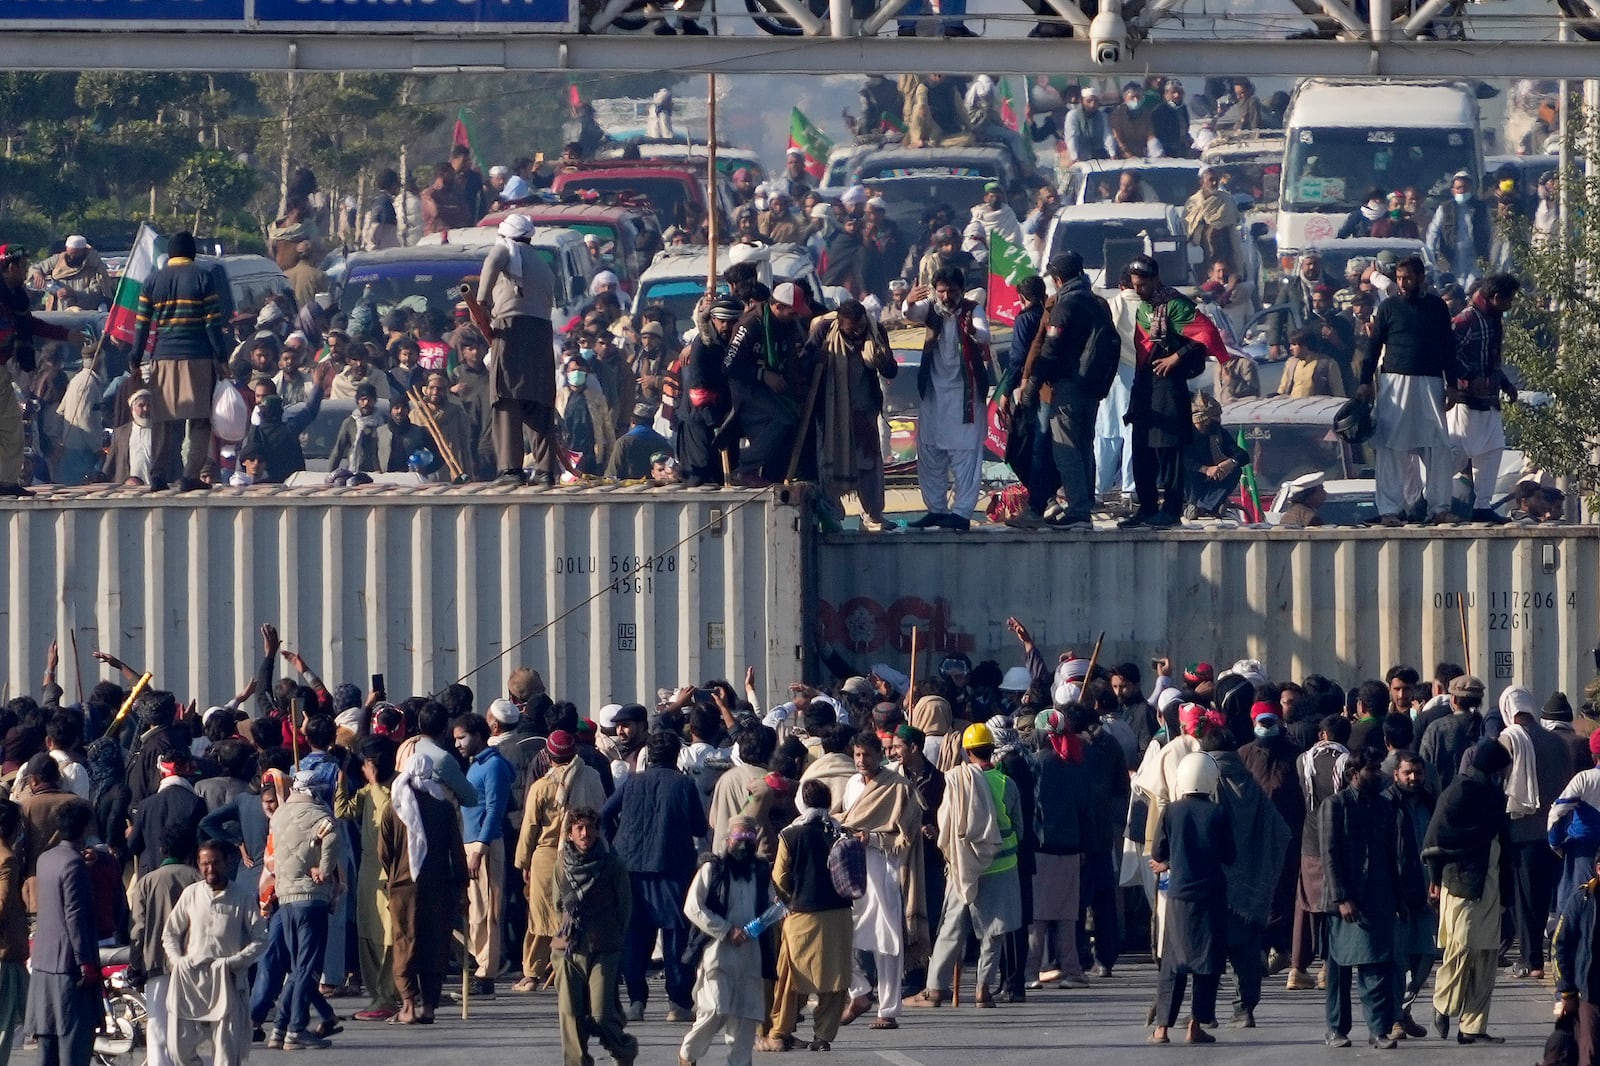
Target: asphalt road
<point>1101,1024</point>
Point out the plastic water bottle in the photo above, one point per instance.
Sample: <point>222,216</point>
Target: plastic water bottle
<point>766,919</point>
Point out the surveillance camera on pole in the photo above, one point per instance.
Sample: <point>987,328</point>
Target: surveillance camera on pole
<point>1108,34</point>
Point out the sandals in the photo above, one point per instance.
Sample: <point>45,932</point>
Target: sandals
<point>884,1023</point>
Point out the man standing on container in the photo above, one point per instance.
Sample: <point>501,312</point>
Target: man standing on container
<point>1069,361</point>
<point>1171,342</point>
<point>1412,331</point>
<point>1477,429</point>
<point>181,306</point>
<point>954,383</point>
<point>519,289</point>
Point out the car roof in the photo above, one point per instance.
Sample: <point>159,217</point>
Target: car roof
<point>478,236</point>
<point>415,253</point>
<point>971,151</point>
<point>788,261</point>
<point>1334,244</point>
<point>1283,411</point>
<point>1106,211</point>
<point>1100,166</point>
<point>1236,145</point>
<point>623,168</point>
<point>579,212</point>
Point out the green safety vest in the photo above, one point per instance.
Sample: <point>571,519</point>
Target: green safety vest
<point>1006,859</point>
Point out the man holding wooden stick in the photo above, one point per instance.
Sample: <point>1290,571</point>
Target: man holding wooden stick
<point>519,289</point>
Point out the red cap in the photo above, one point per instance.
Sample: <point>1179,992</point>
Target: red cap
<point>1262,709</point>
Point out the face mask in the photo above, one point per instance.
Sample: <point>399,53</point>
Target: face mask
<point>1134,104</point>
<point>1264,731</point>
<point>586,354</point>
<point>1462,198</point>
<point>577,378</point>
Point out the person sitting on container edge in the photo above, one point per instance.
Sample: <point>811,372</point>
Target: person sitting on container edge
<point>1214,460</point>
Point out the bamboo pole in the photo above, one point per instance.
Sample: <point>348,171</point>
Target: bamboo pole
<point>1094,657</point>
<point>1466,646</point>
<point>431,424</point>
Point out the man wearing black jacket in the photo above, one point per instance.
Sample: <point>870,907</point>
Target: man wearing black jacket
<point>1412,331</point>
<point>1063,360</point>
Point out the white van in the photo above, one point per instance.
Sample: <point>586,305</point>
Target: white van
<point>1342,138</point>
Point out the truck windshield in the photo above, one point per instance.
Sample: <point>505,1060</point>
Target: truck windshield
<point>1331,169</point>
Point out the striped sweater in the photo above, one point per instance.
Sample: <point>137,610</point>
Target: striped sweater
<point>181,306</point>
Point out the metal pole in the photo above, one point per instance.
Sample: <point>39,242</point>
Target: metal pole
<point>839,17</point>
<point>711,185</point>
<point>1419,22</point>
<point>1381,14</point>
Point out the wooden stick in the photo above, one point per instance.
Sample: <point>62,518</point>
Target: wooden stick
<point>911,685</point>
<point>805,421</point>
<point>1466,646</point>
<point>1094,657</point>
<point>466,977</point>
<point>77,665</point>
<point>955,987</point>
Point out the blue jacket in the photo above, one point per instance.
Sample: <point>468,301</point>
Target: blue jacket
<point>659,815</point>
<point>1575,815</point>
<point>65,939</point>
<point>1022,332</point>
<point>1574,944</point>
<point>492,776</point>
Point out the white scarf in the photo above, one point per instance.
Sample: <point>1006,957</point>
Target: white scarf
<point>419,776</point>
<point>365,423</point>
<point>1522,780</point>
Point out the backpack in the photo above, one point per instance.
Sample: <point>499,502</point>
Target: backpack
<point>847,866</point>
<point>1102,354</point>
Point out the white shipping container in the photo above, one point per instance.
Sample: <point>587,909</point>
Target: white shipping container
<point>1345,603</point>
<point>641,588</point>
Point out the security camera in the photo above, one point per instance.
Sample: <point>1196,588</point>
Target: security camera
<point>1108,35</point>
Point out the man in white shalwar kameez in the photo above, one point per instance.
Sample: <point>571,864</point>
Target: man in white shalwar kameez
<point>953,382</point>
<point>211,939</point>
<point>727,893</point>
<point>882,810</point>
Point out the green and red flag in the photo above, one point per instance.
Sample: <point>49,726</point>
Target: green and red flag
<point>1249,494</point>
<point>1011,112</point>
<point>462,133</point>
<point>810,140</point>
<point>148,246</point>
<point>1008,265</point>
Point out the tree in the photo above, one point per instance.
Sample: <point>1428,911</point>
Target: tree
<point>210,180</point>
<point>1553,338</point>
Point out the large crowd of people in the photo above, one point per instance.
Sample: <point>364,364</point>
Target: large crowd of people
<point>772,381</point>
<point>836,854</point>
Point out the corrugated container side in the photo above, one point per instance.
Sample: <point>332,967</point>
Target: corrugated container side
<point>639,589</point>
<point>1347,603</point>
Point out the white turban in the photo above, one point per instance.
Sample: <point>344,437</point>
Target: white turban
<point>605,277</point>
<point>514,231</point>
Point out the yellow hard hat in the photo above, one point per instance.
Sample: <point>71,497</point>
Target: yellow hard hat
<point>977,735</point>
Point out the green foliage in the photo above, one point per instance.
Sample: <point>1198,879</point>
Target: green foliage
<point>97,143</point>
<point>1553,337</point>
